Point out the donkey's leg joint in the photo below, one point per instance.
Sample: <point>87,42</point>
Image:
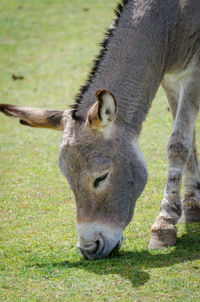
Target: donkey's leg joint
<point>190,214</point>
<point>191,204</point>
<point>191,200</point>
<point>177,150</point>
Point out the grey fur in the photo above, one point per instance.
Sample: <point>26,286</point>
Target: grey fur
<point>151,39</point>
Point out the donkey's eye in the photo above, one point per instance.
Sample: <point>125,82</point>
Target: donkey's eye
<point>99,179</point>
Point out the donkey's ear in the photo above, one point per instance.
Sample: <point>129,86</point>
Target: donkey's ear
<point>102,114</point>
<point>36,117</point>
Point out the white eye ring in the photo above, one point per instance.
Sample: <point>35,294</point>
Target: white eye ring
<point>99,179</point>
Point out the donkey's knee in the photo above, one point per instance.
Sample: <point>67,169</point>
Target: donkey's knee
<point>178,151</point>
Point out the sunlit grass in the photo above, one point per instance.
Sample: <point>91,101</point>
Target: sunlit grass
<point>52,45</point>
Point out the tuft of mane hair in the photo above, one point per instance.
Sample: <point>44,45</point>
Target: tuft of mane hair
<point>104,44</point>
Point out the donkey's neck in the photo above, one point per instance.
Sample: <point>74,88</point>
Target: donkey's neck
<point>131,64</point>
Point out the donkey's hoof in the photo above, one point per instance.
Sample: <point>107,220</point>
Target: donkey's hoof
<point>163,238</point>
<point>190,214</point>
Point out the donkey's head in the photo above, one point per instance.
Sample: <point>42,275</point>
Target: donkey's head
<point>104,167</point>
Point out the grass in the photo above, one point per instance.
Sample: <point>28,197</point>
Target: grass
<point>52,45</point>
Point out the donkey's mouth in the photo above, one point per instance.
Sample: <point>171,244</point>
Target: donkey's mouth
<point>100,249</point>
<point>118,246</point>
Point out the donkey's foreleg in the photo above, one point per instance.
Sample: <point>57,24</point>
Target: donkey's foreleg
<point>164,232</point>
<point>191,200</point>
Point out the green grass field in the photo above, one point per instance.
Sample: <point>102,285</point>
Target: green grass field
<point>52,44</point>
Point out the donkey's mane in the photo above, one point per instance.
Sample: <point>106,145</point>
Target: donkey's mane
<point>104,44</point>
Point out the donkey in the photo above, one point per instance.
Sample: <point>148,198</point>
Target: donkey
<point>149,42</point>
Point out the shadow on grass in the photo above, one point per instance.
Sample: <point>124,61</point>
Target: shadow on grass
<point>132,265</point>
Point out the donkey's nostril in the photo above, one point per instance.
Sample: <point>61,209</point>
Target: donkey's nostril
<point>91,251</point>
<point>97,247</point>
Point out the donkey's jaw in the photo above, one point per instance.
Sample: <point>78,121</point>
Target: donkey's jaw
<point>98,240</point>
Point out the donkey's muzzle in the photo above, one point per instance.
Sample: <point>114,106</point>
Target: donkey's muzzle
<point>100,248</point>
<point>93,250</point>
